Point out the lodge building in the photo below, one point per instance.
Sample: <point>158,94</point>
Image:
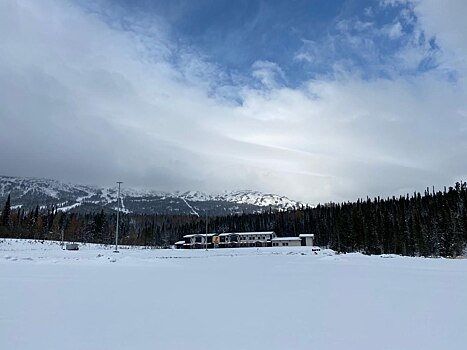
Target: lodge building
<point>242,239</point>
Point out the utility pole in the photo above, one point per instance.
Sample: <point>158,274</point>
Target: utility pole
<point>206,240</point>
<point>118,217</point>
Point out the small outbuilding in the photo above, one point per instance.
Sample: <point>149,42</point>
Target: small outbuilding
<point>179,244</point>
<point>72,246</point>
<point>307,239</point>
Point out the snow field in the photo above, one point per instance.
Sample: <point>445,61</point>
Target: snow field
<point>267,298</point>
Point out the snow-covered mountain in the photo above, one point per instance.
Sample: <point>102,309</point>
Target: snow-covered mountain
<point>29,192</point>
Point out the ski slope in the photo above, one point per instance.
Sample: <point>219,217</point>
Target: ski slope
<point>266,298</point>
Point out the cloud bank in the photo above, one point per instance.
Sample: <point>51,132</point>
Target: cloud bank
<point>93,95</point>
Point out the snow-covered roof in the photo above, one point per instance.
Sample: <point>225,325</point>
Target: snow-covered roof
<point>306,235</point>
<point>256,233</point>
<point>180,242</point>
<point>200,235</point>
<point>227,234</point>
<point>247,233</point>
<point>286,239</point>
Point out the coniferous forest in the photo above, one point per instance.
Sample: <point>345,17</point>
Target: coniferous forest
<point>428,224</point>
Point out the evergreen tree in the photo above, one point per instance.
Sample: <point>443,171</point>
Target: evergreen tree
<point>428,224</point>
<point>6,213</point>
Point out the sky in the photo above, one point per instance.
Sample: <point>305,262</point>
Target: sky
<point>317,100</point>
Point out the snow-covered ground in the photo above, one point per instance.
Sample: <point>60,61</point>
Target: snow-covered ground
<point>267,298</point>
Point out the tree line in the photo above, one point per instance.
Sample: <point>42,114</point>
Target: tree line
<point>428,224</point>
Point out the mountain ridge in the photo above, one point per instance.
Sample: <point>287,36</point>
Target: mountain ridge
<point>28,192</point>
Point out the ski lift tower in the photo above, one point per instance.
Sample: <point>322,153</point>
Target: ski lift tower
<point>118,217</point>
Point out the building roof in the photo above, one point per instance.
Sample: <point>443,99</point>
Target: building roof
<point>303,235</point>
<point>180,242</point>
<point>228,234</point>
<point>200,235</point>
<point>232,233</point>
<point>256,233</point>
<point>247,233</point>
<point>286,239</point>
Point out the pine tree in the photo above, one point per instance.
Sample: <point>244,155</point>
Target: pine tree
<point>6,213</point>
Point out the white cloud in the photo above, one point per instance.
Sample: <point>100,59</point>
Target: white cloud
<point>395,30</point>
<point>360,135</point>
<point>386,3</point>
<point>445,20</point>
<point>84,101</point>
<point>268,73</point>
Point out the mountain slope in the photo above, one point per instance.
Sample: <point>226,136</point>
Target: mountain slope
<point>47,193</point>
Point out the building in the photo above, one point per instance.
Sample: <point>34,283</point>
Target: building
<point>307,239</point>
<point>256,239</point>
<point>245,239</point>
<point>197,241</point>
<point>72,246</point>
<point>179,244</point>
<point>242,239</point>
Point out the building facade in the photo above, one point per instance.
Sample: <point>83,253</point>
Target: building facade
<point>307,239</point>
<point>242,239</point>
<point>286,241</point>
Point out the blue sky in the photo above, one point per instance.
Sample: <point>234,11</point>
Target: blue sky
<point>317,100</point>
<point>305,39</point>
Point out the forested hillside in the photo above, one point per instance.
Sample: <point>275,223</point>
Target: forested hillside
<point>428,224</point>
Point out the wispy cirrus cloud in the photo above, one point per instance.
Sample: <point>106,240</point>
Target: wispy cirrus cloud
<point>373,44</point>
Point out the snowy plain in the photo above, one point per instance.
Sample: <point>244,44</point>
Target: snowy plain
<point>249,298</point>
